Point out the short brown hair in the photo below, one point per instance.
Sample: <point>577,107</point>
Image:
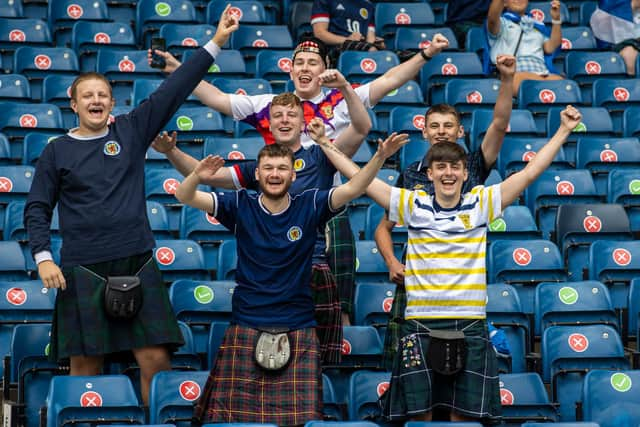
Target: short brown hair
<point>275,150</point>
<point>287,99</point>
<point>442,109</point>
<point>451,153</point>
<point>88,76</point>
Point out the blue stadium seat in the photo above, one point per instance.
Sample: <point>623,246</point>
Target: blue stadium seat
<point>573,303</point>
<point>573,39</point>
<point>524,399</point>
<point>442,423</point>
<point>56,89</point>
<point>227,261</point>
<point>172,395</point>
<point>412,38</point>
<point>537,96</point>
<point>122,67</point>
<point>182,37</point>
<point>14,87</point>
<point>87,38</point>
<point>250,39</point>
<point>22,32</point>
<point>206,230</point>
<point>217,329</point>
<point>340,424</point>
<point>246,11</point>
<point>586,10</point>
<point>596,121</point>
<point>15,182</point>
<point>359,66</point>
<point>389,16</point>
<point>372,219</point>
<point>504,311</point>
<point>586,67</point>
<point>521,123</point>
<point>515,223</point>
<point>372,303</point>
<point>409,94</point>
<point>33,144</point>
<point>541,11</point>
<point>471,94</point>
<point>623,187</point>
<point>14,228</point>
<point>234,150</point>
<point>11,9</point>
<point>633,306</point>
<point>31,369</point>
<point>229,64</point>
<point>577,226</point>
<point>407,120</point>
<point>160,186</point>
<point>602,155</point>
<point>370,266</point>
<point>631,121</point>
<point>569,352</point>
<point>610,398</point>
<point>331,409</point>
<point>103,398</point>
<point>5,150</point>
<point>361,347</point>
<point>142,88</point>
<point>524,263</point>
<point>158,220</point>
<point>36,63</point>
<point>63,14</point>
<point>475,41</point>
<point>300,17</point>
<point>25,301</point>
<point>616,95</point>
<point>198,303</point>
<point>180,259</point>
<point>151,14</point>
<point>365,387</point>
<point>444,67</point>
<point>615,263</point>
<point>274,66</point>
<point>556,187</point>
<point>194,124</point>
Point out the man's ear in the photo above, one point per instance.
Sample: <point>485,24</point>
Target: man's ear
<point>429,174</point>
<point>293,176</point>
<point>256,174</point>
<point>460,131</point>
<point>466,173</point>
<point>74,105</point>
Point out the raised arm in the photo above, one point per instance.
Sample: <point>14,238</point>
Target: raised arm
<point>493,16</point>
<point>187,192</point>
<point>402,73</point>
<point>185,164</point>
<point>511,187</point>
<point>360,180</point>
<point>207,93</point>
<point>493,139</point>
<point>351,138</point>
<point>555,40</point>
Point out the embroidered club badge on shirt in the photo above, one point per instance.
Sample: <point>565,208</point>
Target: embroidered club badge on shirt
<point>298,165</point>
<point>294,233</point>
<point>111,148</point>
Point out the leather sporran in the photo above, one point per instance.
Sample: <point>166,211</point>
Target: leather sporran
<point>272,351</point>
<point>122,297</point>
<point>447,351</point>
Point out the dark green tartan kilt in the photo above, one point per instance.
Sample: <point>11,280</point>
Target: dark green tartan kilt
<point>341,256</point>
<point>328,314</point>
<point>416,389</point>
<point>392,336</point>
<point>81,327</point>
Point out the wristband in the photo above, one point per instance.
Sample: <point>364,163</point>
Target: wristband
<point>556,21</point>
<point>424,56</point>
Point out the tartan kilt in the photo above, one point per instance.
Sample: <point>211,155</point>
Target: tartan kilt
<point>328,314</point>
<point>341,256</point>
<point>239,391</point>
<point>81,327</point>
<point>416,389</point>
<point>392,336</point>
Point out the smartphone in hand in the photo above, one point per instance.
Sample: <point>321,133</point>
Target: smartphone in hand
<point>157,61</point>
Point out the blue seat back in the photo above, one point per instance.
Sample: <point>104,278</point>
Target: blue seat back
<point>372,303</point>
<point>521,123</point>
<point>180,259</point>
<point>173,394</point>
<point>610,398</point>
<point>151,14</point>
<point>370,265</point>
<point>365,387</point>
<point>515,223</point>
<point>245,11</point>
<point>358,66</point>
<point>14,87</point>
<point>524,397</point>
<point>361,347</point>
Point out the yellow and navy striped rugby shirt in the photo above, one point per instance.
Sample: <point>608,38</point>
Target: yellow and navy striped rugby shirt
<point>445,273</point>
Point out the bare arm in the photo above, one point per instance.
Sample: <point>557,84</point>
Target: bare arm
<point>402,73</point>
<point>384,242</point>
<point>493,139</point>
<point>556,29</point>
<point>516,183</point>
<point>493,16</point>
<point>187,192</point>
<point>207,93</point>
<point>185,164</point>
<point>352,137</point>
<point>321,31</point>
